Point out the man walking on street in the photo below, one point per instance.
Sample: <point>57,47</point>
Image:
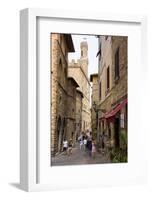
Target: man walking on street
<point>85,143</point>
<point>93,149</point>
<point>70,147</point>
<point>89,145</point>
<point>65,146</point>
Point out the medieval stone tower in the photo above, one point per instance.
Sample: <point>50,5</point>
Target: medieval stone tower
<point>84,57</point>
<point>79,70</point>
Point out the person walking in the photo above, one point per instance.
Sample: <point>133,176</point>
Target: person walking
<point>81,144</point>
<point>93,150</point>
<point>84,143</point>
<point>103,143</point>
<point>65,146</point>
<point>89,146</point>
<point>70,147</point>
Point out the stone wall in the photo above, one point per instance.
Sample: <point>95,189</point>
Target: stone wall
<point>71,111</point>
<point>59,93</point>
<point>104,63</point>
<point>79,97</point>
<point>94,100</point>
<point>118,87</point>
<point>76,71</point>
<point>54,89</point>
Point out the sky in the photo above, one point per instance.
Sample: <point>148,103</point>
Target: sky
<point>92,51</point>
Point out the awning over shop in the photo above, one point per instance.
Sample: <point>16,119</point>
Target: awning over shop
<point>116,109</point>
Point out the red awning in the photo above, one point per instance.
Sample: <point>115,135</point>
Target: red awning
<point>116,109</point>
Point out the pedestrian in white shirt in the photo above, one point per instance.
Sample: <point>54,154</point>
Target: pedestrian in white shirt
<point>81,144</point>
<point>93,150</point>
<point>65,146</point>
<point>85,143</point>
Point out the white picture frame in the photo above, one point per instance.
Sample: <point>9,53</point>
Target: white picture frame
<point>30,168</point>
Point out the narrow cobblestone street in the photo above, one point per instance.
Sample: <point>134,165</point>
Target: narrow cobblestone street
<point>78,157</point>
<point>89,101</point>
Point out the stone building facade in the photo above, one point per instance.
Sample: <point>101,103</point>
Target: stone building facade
<point>63,91</point>
<point>94,104</point>
<point>79,97</point>
<point>71,110</point>
<point>112,77</point>
<point>79,70</point>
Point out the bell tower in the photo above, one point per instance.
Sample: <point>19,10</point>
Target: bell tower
<point>84,57</point>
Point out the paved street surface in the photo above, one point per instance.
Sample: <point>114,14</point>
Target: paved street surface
<point>78,157</point>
